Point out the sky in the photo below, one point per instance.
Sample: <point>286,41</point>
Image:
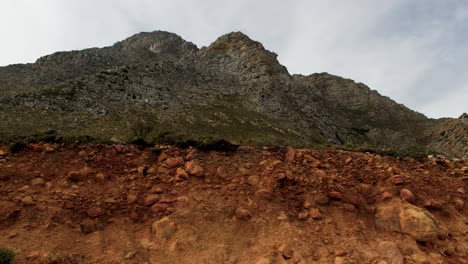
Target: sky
<point>413,51</point>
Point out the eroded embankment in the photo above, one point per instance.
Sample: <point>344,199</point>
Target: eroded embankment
<point>118,204</point>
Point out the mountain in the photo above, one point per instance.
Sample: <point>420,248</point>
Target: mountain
<point>233,89</point>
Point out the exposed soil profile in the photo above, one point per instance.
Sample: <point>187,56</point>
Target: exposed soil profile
<point>117,204</point>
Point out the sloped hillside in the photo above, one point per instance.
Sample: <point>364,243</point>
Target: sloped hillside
<point>233,89</point>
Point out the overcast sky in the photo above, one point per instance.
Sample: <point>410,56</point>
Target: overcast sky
<point>414,51</point>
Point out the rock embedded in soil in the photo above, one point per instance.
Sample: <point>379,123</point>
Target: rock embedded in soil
<point>37,182</point>
<point>397,180</point>
<point>303,215</point>
<point>142,170</point>
<point>407,195</point>
<point>420,258</point>
<point>163,228</point>
<point>181,174</point>
<point>151,199</point>
<point>243,214</point>
<point>276,163</point>
<point>159,207</point>
<point>334,195</point>
<point>131,198</point>
<point>88,226</point>
<point>419,223</point>
<point>407,218</point>
<point>387,195</point>
<point>433,204</point>
<point>264,261</point>
<point>101,178</point>
<point>290,154</point>
<point>194,169</point>
<point>322,200</point>
<point>28,200</point>
<point>76,176</point>
<point>459,203</point>
<point>253,180</point>
<point>174,162</point>
<point>286,251</point>
<point>315,214</point>
<point>95,212</point>
<point>390,250</point>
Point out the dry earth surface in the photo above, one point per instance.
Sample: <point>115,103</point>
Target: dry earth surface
<point>68,204</point>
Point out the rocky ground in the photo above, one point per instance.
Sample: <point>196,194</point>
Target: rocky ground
<point>118,204</point>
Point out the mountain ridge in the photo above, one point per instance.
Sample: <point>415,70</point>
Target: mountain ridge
<point>233,89</point>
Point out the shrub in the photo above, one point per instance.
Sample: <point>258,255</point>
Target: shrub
<point>16,147</point>
<point>203,143</point>
<point>50,136</point>
<point>140,143</point>
<point>6,256</point>
<point>216,145</point>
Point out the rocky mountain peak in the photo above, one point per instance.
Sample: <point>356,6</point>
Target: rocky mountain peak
<point>236,40</point>
<point>238,53</point>
<point>157,42</point>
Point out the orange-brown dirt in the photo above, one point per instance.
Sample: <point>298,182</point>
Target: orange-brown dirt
<point>118,204</point>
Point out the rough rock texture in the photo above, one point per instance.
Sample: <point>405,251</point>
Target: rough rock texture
<point>407,218</point>
<point>233,89</point>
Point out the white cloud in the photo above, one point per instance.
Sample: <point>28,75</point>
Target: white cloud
<point>404,49</point>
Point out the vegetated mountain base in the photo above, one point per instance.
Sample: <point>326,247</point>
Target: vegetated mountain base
<point>234,89</point>
<point>118,204</point>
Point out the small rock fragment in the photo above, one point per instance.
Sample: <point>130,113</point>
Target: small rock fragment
<point>164,228</point>
<point>349,207</point>
<point>290,154</point>
<point>174,162</point>
<point>303,215</point>
<point>101,178</point>
<point>420,258</point>
<point>264,261</point>
<point>276,163</point>
<point>88,226</point>
<point>95,211</point>
<point>142,170</point>
<point>37,182</point>
<point>286,251</point>
<point>335,195</point>
<point>315,214</point>
<point>181,174</point>
<point>433,204</point>
<point>193,169</point>
<point>322,200</point>
<point>459,203</point>
<point>397,180</point>
<point>243,214</point>
<point>253,180</point>
<point>387,195</point>
<point>391,251</point>
<point>407,195</point>
<point>131,198</point>
<point>28,200</point>
<point>151,199</point>
<point>75,176</point>
<point>159,207</point>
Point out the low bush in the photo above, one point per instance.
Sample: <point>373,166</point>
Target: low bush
<point>203,143</point>
<point>49,136</point>
<point>6,256</point>
<point>16,147</point>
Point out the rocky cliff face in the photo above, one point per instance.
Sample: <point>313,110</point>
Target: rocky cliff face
<point>233,89</point>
